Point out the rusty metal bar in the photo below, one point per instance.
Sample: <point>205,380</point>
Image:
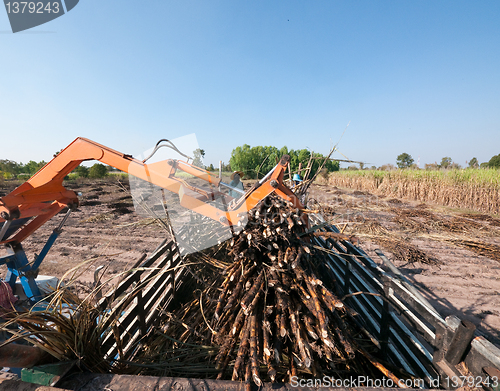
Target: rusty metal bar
<point>20,356</point>
<point>385,320</point>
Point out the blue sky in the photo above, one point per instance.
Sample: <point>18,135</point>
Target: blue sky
<point>421,77</point>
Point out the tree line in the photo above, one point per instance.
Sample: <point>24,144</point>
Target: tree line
<point>257,161</point>
<point>406,161</point>
<point>11,170</point>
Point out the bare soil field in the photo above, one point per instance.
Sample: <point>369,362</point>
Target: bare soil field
<point>451,255</point>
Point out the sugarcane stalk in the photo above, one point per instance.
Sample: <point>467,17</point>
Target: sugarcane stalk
<point>228,318</point>
<point>237,291</point>
<point>330,299</point>
<point>309,326</point>
<point>242,351</point>
<point>288,255</point>
<point>278,344</point>
<point>286,282</point>
<point>229,350</point>
<point>294,324</point>
<point>228,285</point>
<point>307,346</point>
<point>320,315</point>
<point>247,301</point>
<point>248,376</point>
<point>238,322</point>
<point>293,367</point>
<point>296,261</point>
<point>283,313</point>
<point>281,256</point>
<point>271,371</point>
<point>253,351</point>
<point>266,337</point>
<point>380,367</point>
<point>341,333</point>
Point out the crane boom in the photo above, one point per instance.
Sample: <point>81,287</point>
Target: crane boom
<point>32,204</point>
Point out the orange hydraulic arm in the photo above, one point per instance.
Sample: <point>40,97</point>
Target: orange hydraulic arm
<point>43,195</point>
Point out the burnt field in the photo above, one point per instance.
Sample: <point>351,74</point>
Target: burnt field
<point>452,256</point>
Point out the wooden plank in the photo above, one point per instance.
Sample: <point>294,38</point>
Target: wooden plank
<point>151,318</point>
<point>482,354</point>
<point>415,306</point>
<point>416,323</point>
<point>149,274</point>
<point>132,277</point>
<point>130,323</point>
<point>368,275</point>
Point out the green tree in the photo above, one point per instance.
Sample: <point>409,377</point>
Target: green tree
<point>473,163</point>
<point>446,162</point>
<point>10,167</point>
<point>82,171</point>
<point>98,170</point>
<point>32,167</point>
<point>494,162</point>
<point>242,159</point>
<point>198,155</point>
<point>257,161</point>
<point>404,160</point>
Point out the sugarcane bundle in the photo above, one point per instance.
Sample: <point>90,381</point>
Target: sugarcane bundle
<point>276,313</point>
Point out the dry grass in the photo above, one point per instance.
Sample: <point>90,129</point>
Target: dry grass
<point>477,190</point>
<point>410,212</point>
<point>489,250</point>
<point>400,247</point>
<point>410,225</point>
<point>407,252</point>
<point>481,217</point>
<point>459,225</point>
<point>67,328</point>
<point>455,230</point>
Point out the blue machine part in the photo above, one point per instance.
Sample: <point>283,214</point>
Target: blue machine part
<point>17,261</point>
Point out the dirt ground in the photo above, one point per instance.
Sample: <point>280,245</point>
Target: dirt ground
<point>455,278</point>
<point>105,230</point>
